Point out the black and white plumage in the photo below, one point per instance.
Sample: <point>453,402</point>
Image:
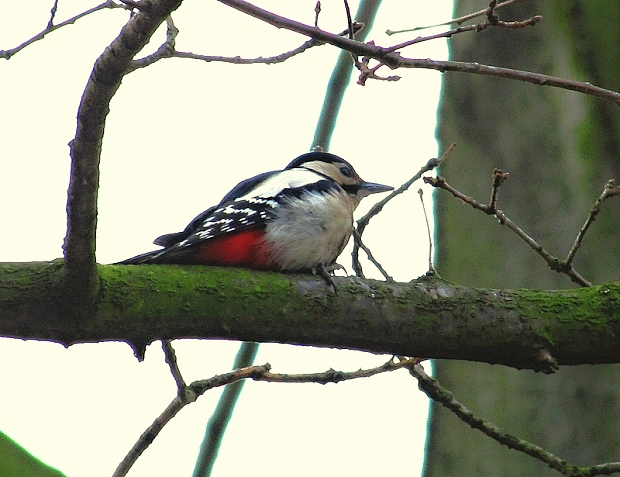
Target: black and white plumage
<point>298,218</point>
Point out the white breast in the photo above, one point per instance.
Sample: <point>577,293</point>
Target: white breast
<point>311,230</point>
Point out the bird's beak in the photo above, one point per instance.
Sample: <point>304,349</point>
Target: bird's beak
<point>368,188</point>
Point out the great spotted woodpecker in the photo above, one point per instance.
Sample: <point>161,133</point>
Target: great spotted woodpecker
<point>296,219</point>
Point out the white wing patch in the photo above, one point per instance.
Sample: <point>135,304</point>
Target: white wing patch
<point>238,215</point>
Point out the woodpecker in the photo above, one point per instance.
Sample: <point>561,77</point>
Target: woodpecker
<point>296,219</point>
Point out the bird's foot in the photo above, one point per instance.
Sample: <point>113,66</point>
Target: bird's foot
<point>326,272</point>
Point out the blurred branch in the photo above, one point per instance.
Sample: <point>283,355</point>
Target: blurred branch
<point>477,28</point>
<point>339,80</point>
<point>455,21</point>
<point>610,190</point>
<point>434,391</point>
<point>216,427</point>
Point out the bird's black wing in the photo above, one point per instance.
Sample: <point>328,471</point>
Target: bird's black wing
<point>239,190</point>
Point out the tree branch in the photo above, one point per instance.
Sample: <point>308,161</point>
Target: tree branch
<point>428,318</point>
<point>444,397</point>
<point>257,373</point>
<point>396,60</point>
<point>103,83</point>
<point>7,54</point>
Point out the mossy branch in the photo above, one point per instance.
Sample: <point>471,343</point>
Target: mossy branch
<point>428,318</point>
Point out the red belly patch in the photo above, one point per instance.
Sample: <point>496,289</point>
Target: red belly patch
<point>240,249</point>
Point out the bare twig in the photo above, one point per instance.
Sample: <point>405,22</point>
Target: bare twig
<point>455,21</point>
<point>610,190</point>
<point>498,178</point>
<point>349,19</point>
<point>53,11</point>
<point>133,5</point>
<point>477,27</point>
<point>433,390</point>
<point>492,17</point>
<point>7,54</point>
<point>192,392</point>
<point>333,376</point>
<point>395,60</point>
<point>339,79</point>
<point>358,267</point>
<point>317,11</point>
<point>431,268</point>
<point>378,207</point>
<point>171,359</point>
<point>258,373</point>
<point>167,50</point>
<point>367,72</point>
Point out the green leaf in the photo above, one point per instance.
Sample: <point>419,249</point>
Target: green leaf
<point>18,462</point>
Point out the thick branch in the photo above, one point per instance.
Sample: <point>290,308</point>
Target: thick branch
<point>104,80</point>
<point>429,318</point>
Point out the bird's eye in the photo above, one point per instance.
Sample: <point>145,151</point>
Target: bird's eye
<point>346,171</point>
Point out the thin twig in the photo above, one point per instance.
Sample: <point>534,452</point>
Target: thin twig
<point>258,373</point>
<point>371,258</point>
<point>192,392</point>
<point>499,177</point>
<point>167,50</point>
<point>610,190</point>
<point>396,60</point>
<point>431,268</point>
<point>171,359</point>
<point>133,5</point>
<point>333,376</point>
<point>7,54</point>
<point>317,11</point>
<point>477,27</point>
<point>339,79</point>
<point>53,11</point>
<point>492,17</point>
<point>455,21</point>
<point>378,207</point>
<point>434,391</point>
<point>349,19</point>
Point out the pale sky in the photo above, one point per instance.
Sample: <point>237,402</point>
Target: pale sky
<point>180,134</point>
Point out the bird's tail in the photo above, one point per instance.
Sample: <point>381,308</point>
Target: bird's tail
<point>149,257</point>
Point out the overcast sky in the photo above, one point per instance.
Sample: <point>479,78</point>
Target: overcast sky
<point>180,134</point>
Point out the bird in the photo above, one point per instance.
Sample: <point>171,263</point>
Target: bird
<point>293,220</point>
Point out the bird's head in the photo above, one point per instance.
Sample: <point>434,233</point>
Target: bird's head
<point>340,171</point>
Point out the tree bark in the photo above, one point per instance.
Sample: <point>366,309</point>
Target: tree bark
<point>428,318</point>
